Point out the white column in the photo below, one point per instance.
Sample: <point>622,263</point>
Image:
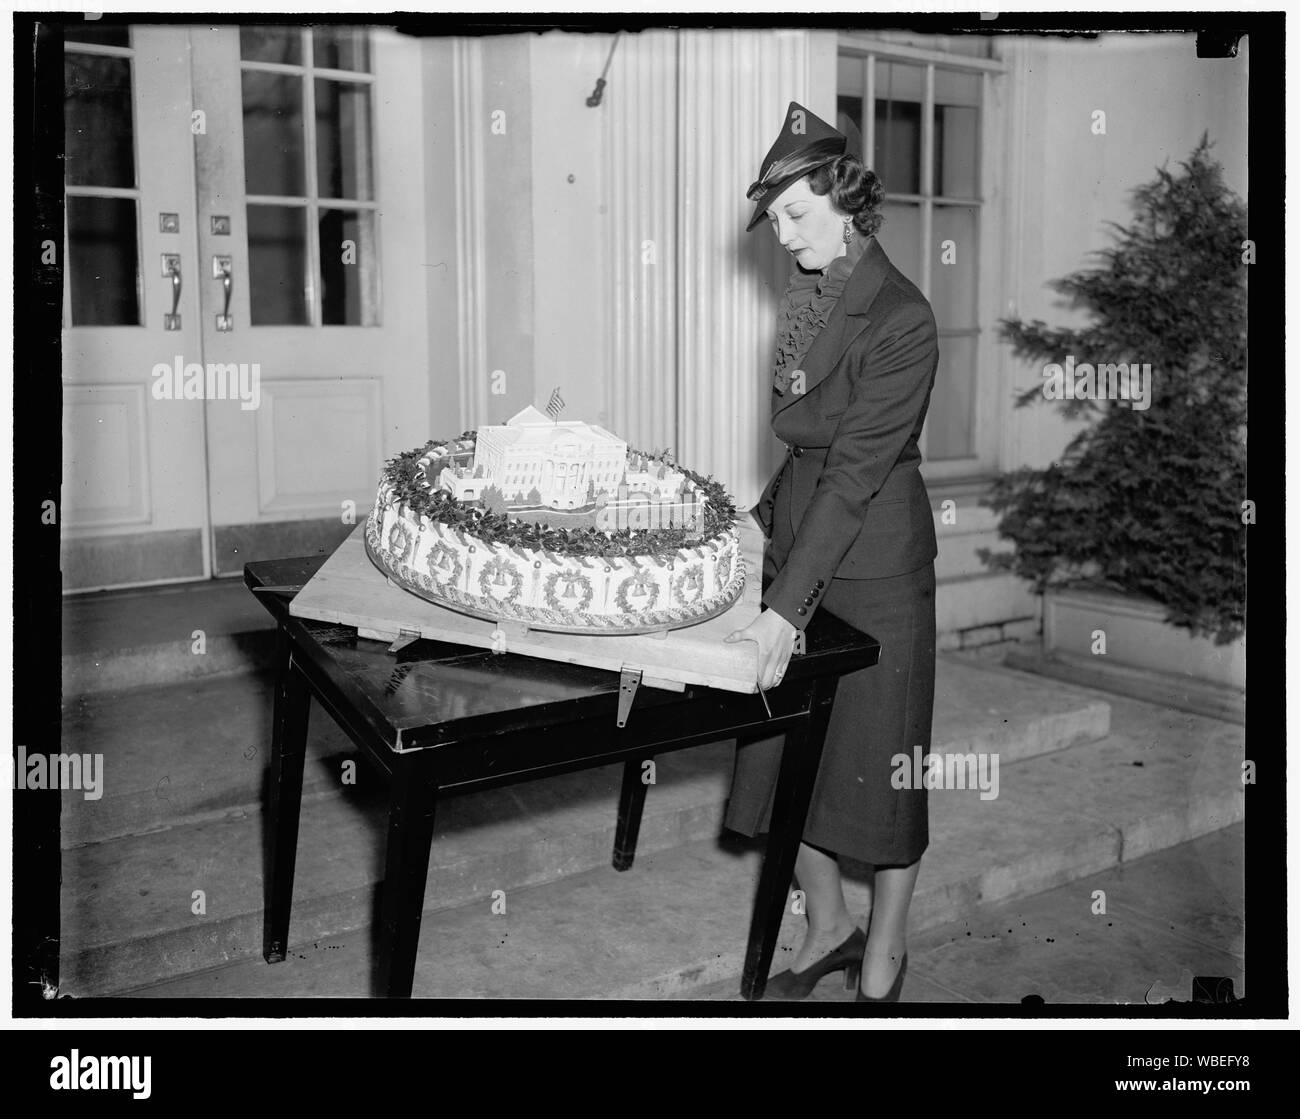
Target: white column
<point>471,292</point>
<point>733,89</point>
<point>640,230</point>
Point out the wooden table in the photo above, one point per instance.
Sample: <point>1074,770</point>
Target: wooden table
<point>437,716</point>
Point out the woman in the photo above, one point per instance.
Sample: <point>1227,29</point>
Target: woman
<point>849,527</point>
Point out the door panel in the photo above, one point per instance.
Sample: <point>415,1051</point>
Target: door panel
<point>296,419</point>
<point>109,424</point>
<point>283,168</point>
<point>323,198</point>
<point>134,480</point>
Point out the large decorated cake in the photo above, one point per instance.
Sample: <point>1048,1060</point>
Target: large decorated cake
<point>558,525</point>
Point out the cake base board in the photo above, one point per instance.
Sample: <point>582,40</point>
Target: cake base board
<point>350,590</point>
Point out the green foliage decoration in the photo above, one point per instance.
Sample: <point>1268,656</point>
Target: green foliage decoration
<point>410,485</point>
<point>1148,502</point>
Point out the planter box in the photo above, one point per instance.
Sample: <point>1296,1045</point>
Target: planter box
<point>1138,637</point>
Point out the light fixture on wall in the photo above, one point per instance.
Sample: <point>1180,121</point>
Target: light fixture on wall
<point>596,94</point>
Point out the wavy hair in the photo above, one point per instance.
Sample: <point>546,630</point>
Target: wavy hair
<point>855,190</point>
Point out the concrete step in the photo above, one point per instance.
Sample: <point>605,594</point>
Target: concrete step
<point>1168,916</point>
<point>1203,697</point>
<point>115,640</point>
<point>677,920</point>
<point>180,754</point>
<point>184,769</point>
<point>128,904</point>
<point>675,924</point>
<point>183,753</point>
<point>976,601</point>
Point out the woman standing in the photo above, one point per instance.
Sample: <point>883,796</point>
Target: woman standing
<point>850,529</point>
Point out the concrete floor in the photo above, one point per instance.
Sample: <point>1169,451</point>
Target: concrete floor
<point>1091,783</point>
<point>1168,917</point>
<point>1099,792</point>
<point>1067,812</point>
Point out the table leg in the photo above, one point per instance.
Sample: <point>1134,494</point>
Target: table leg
<point>288,752</point>
<point>800,759</point>
<point>412,801</point>
<point>631,800</point>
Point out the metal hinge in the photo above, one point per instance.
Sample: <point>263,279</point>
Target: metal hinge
<point>404,638</point>
<point>628,679</point>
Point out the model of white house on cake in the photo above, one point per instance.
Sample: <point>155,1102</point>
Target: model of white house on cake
<point>558,525</point>
<point>567,473</point>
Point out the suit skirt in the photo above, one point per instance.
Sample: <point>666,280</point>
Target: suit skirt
<point>878,712</point>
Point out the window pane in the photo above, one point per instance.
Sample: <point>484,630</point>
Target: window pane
<point>956,133</point>
<point>900,237</point>
<point>98,136</point>
<point>271,44</point>
<point>851,84</point>
<point>949,424</point>
<point>342,140</point>
<point>341,48</point>
<point>348,266</point>
<point>97,31</point>
<point>900,91</point>
<point>851,74</point>
<point>277,265</point>
<point>953,285</point>
<point>899,81</point>
<point>956,87</point>
<point>103,261</point>
<point>849,121</point>
<point>273,140</point>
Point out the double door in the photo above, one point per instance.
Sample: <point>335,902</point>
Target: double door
<point>244,327</point>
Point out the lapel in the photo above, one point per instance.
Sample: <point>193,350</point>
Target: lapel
<point>848,319</point>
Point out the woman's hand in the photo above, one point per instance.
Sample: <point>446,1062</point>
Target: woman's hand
<point>775,638</point>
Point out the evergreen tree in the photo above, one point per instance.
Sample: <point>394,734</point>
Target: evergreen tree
<point>1149,501</point>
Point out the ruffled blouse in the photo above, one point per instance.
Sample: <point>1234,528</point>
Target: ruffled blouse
<point>805,309</point>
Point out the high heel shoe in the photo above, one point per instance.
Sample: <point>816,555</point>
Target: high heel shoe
<point>894,991</point>
<point>792,985</point>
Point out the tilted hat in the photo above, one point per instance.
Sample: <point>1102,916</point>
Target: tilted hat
<point>806,142</point>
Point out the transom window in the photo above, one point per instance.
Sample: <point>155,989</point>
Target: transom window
<point>308,176</point>
<point>916,117</point>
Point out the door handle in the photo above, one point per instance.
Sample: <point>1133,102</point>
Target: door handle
<point>223,267</point>
<point>172,268</point>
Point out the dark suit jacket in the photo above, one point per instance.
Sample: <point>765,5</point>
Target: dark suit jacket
<point>855,505</point>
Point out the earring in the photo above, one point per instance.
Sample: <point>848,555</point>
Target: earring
<point>848,231</point>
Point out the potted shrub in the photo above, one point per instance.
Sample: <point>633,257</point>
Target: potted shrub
<point>1139,530</point>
